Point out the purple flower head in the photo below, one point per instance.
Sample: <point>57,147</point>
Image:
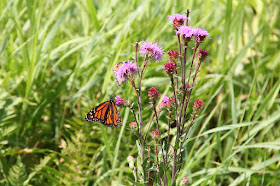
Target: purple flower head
<point>178,19</point>
<point>149,49</point>
<point>200,35</point>
<point>167,102</point>
<point>186,32</point>
<point>121,102</point>
<point>125,70</point>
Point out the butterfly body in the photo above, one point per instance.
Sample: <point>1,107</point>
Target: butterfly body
<point>105,113</point>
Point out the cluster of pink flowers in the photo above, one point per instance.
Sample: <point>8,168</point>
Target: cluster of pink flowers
<point>149,49</point>
<point>125,71</point>
<point>187,32</point>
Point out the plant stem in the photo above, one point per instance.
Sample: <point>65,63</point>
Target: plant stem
<point>159,178</point>
<point>160,141</point>
<point>135,175</point>
<point>187,102</point>
<point>182,142</point>
<point>149,128</point>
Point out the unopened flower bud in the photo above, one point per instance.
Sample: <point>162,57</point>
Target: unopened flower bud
<point>184,181</point>
<point>173,56</point>
<point>198,105</point>
<point>133,125</point>
<point>170,68</point>
<point>202,55</point>
<point>153,94</point>
<point>155,134</point>
<point>131,160</point>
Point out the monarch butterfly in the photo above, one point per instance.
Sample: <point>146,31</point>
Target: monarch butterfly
<point>105,113</point>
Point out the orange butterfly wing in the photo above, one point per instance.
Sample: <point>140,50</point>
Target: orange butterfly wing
<point>105,113</point>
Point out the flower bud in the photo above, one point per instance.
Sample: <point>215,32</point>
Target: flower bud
<point>184,181</point>
<point>167,102</point>
<point>153,94</point>
<point>121,102</point>
<point>170,68</point>
<point>202,55</point>
<point>173,55</point>
<point>198,105</point>
<point>155,134</point>
<point>133,125</point>
<point>131,160</point>
<point>187,87</point>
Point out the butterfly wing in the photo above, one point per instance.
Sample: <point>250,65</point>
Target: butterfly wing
<point>98,113</point>
<point>105,113</point>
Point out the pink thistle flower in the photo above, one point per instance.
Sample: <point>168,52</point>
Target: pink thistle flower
<point>155,134</point>
<point>184,181</point>
<point>133,125</point>
<point>153,94</point>
<point>186,32</point>
<point>173,56</point>
<point>200,35</point>
<point>167,102</point>
<point>178,19</point>
<point>170,68</point>
<point>125,71</point>
<point>202,55</point>
<point>121,102</point>
<point>149,49</point>
<point>198,105</point>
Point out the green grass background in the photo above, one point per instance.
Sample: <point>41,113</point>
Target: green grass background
<point>56,60</point>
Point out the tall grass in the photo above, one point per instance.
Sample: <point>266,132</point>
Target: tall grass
<point>56,60</point>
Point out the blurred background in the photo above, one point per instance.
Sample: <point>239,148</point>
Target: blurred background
<point>56,60</point>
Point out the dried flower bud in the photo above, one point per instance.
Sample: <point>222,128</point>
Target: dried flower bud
<point>153,94</point>
<point>133,125</point>
<point>202,55</point>
<point>155,134</point>
<point>184,181</point>
<point>170,68</point>
<point>173,55</point>
<point>198,105</point>
<point>131,160</point>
